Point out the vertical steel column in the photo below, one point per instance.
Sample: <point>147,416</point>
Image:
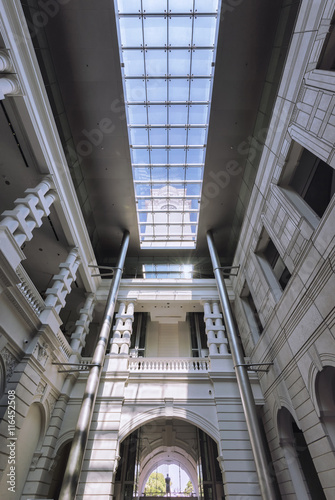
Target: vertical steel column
<point>75,460</point>
<point>243,382</point>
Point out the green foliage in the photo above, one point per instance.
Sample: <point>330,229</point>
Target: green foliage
<point>155,484</point>
<point>188,488</point>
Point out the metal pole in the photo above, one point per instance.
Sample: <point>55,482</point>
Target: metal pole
<point>76,456</point>
<point>243,382</point>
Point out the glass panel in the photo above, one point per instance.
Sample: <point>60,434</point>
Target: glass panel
<point>204,31</point>
<point>200,89</point>
<point>159,174</point>
<point>156,62</point>
<point>135,90</point>
<point>158,156</point>
<point>198,115</point>
<point>157,114</point>
<point>129,6</point>
<point>155,31</point>
<point>140,156</point>
<point>158,136</point>
<point>179,89</point>
<point>177,136</point>
<point>138,136</point>
<point>131,31</point>
<point>194,173</point>
<point>178,115</point>
<point>177,156</point>
<point>137,114</point>
<point>176,173</point>
<point>157,90</point>
<point>193,189</point>
<point>207,6</point>
<point>133,62</point>
<point>202,62</point>
<point>195,156</point>
<point>176,6</point>
<point>142,189</point>
<point>154,6</point>
<point>179,62</point>
<point>196,136</point>
<point>180,31</point>
<point>142,216</point>
<point>142,174</point>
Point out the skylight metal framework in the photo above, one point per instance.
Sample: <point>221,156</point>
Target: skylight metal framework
<point>167,52</point>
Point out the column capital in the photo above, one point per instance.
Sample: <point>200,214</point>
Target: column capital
<point>9,86</point>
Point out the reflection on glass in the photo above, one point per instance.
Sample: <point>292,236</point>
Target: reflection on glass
<point>142,174</point>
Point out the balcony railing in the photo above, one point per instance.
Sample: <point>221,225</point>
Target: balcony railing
<point>176,365</point>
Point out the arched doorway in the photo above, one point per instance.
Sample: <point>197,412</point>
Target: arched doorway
<point>304,476</point>
<point>325,393</point>
<point>169,443</point>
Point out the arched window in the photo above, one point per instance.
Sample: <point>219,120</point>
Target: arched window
<point>325,393</point>
<point>300,464</point>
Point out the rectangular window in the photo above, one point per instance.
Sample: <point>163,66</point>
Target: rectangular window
<point>327,57</point>
<point>308,182</point>
<point>251,313</point>
<point>272,264</point>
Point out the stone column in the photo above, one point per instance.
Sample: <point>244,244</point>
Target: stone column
<point>29,211</point>
<point>5,62</point>
<point>55,296</point>
<point>217,342</point>
<point>9,85</point>
<point>123,329</point>
<point>82,325</point>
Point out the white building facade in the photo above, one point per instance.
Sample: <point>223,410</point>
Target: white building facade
<point>168,392</point>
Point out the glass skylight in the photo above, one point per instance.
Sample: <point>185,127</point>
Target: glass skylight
<point>167,52</point>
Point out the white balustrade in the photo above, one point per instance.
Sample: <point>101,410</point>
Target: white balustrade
<point>175,365</point>
<point>29,291</point>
